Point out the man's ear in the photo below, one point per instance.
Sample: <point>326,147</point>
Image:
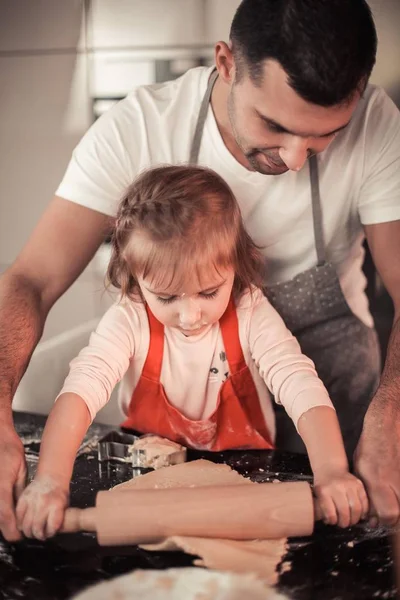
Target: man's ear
<point>225,62</point>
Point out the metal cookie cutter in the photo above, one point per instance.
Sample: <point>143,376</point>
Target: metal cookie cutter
<point>120,447</point>
<point>116,446</point>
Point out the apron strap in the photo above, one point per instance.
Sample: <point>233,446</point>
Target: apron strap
<point>152,366</point>
<point>230,334</point>
<point>317,212</point>
<point>201,119</point>
<point>313,166</point>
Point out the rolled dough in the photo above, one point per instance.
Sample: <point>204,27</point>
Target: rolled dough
<point>259,557</point>
<point>195,473</point>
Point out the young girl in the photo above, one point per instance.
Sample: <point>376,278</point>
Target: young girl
<point>201,347</point>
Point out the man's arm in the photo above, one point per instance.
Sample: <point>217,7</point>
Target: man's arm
<point>377,457</point>
<point>62,244</point>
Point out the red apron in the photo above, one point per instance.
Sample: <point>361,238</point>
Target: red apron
<point>237,421</point>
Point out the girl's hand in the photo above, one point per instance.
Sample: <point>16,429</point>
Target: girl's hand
<point>41,507</point>
<point>341,497</point>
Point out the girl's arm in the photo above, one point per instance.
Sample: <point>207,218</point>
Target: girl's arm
<point>293,380</point>
<point>320,432</point>
<point>92,377</point>
<point>65,429</point>
<point>40,508</point>
<point>341,496</point>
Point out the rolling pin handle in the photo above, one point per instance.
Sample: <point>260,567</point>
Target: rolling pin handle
<point>77,519</point>
<point>71,523</point>
<point>318,515</point>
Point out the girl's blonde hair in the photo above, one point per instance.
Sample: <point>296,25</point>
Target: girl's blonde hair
<point>173,223</point>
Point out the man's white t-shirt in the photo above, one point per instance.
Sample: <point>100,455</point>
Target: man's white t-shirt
<point>359,176</point>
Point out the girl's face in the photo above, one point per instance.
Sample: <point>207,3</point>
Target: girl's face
<point>195,305</point>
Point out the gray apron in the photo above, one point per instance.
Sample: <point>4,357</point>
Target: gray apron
<point>344,350</point>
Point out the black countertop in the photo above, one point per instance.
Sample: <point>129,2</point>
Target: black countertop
<point>333,564</point>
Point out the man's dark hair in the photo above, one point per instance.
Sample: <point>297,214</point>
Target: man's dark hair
<point>326,47</point>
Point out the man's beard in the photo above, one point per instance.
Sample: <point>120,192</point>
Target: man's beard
<point>270,163</point>
<point>266,161</point>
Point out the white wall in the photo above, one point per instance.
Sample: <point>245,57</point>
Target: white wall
<point>387,70</point>
<point>44,110</point>
<point>144,23</point>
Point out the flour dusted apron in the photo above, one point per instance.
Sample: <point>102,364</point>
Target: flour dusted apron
<point>237,421</point>
<point>345,351</point>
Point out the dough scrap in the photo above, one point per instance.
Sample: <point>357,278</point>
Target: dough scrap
<point>259,557</point>
<point>180,584</point>
<point>158,449</point>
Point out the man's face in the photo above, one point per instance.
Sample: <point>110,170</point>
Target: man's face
<point>276,129</point>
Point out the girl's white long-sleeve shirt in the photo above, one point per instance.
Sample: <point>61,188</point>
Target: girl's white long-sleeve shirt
<point>194,368</point>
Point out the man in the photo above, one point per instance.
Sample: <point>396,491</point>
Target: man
<point>312,154</point>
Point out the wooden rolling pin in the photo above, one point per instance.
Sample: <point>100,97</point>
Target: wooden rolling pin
<point>240,512</point>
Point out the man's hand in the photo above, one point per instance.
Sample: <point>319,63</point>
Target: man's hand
<point>12,479</point>
<point>377,457</point>
<point>377,460</point>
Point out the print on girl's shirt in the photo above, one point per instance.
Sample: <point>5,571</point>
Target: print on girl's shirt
<point>213,377</point>
<point>218,374</point>
<point>222,356</point>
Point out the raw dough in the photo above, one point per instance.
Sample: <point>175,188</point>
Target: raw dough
<point>195,473</point>
<point>180,584</point>
<point>260,557</point>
